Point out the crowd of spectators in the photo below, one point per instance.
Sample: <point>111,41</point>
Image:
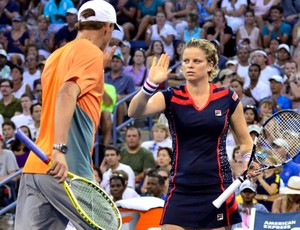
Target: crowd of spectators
<point>259,58</point>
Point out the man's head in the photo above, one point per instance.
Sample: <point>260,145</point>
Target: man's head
<point>133,138</point>
<point>254,72</point>
<point>71,16</point>
<point>3,57</point>
<point>155,185</point>
<point>276,84</point>
<point>116,63</point>
<point>291,67</point>
<point>100,17</point>
<point>8,128</point>
<point>248,191</point>
<point>259,57</point>
<point>112,156</point>
<point>117,186</point>
<point>283,52</point>
<point>6,87</point>
<point>26,102</point>
<point>35,111</point>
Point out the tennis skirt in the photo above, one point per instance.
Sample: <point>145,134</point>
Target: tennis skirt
<point>192,207</point>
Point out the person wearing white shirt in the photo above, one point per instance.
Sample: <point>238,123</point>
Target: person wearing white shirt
<point>111,163</point>
<point>32,73</point>
<point>25,117</point>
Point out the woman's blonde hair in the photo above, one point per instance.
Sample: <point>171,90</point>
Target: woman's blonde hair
<point>162,127</point>
<point>210,52</point>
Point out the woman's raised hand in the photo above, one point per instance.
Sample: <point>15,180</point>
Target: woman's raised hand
<point>159,70</point>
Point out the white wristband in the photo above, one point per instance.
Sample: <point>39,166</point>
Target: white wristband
<point>246,156</point>
<point>149,87</point>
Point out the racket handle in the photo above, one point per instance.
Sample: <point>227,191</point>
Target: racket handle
<point>31,145</point>
<point>224,196</point>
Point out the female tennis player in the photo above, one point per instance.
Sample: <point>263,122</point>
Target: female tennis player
<point>199,114</point>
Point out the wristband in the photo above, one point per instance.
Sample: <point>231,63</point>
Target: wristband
<point>246,156</point>
<point>149,87</point>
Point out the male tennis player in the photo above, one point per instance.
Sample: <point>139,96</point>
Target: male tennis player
<point>72,83</point>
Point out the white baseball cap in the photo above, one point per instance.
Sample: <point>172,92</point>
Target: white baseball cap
<point>281,143</point>
<point>293,186</point>
<point>3,52</point>
<point>72,11</point>
<point>277,78</point>
<point>284,46</point>
<point>254,128</point>
<point>104,12</point>
<point>247,184</point>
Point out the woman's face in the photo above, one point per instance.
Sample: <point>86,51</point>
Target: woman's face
<point>157,47</point>
<point>274,45</point>
<point>195,65</point>
<point>159,135</point>
<point>43,24</point>
<point>96,176</point>
<point>160,18</point>
<point>218,17</point>
<point>163,158</point>
<point>25,131</point>
<point>179,48</point>
<point>266,109</point>
<point>16,75</point>
<point>139,57</point>
<point>236,86</point>
<point>249,116</point>
<point>249,18</point>
<point>237,155</point>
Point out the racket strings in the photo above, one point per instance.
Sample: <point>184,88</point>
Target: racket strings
<point>94,204</point>
<point>279,140</point>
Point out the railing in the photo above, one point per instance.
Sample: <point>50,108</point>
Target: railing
<point>4,181</point>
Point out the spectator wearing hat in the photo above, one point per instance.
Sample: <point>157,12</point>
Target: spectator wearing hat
<point>123,83</point>
<point>42,37</point>
<point>126,52</point>
<point>250,31</point>
<point>243,57</point>
<point>254,130</point>
<point>56,11</point>
<point>280,101</point>
<point>8,9</point>
<point>4,69</point>
<point>225,76</point>
<point>68,32</point>
<point>283,56</point>
<point>260,57</point>
<point>290,201</point>
<point>277,28</point>
<point>17,38</point>
<point>257,90</point>
<point>247,193</point>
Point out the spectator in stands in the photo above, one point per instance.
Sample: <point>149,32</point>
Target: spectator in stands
<point>296,34</point>
<point>283,56</point>
<point>236,84</point>
<point>222,33</point>
<point>282,102</point>
<point>254,130</point>
<point>126,52</point>
<point>290,202</point>
<point>260,57</point>
<point>249,30</point>
<point>19,86</point>
<point>97,174</point>
<point>117,187</point>
<point>163,32</point>
<point>137,157</point>
<point>107,107</point>
<point>37,92</point>
<point>277,28</point>
<point>8,129</point>
<point>206,9</point>
<point>243,57</point>
<point>32,73</point>
<point>234,13</point>
<point>34,10</point>
<point>176,77</point>
<point>225,76</point>
<point>193,29</point>
<point>25,117</point>
<point>126,13</point>
<point>32,49</point>
<point>35,111</point>
<point>272,50</point>
<point>222,59</point>
<point>161,138</point>
<point>250,114</point>
<point>137,71</point>
<point>177,12</point>
<point>20,151</point>
<point>268,184</point>
<point>294,84</point>
<point>291,9</point>
<point>146,13</point>
<point>17,38</point>
<point>265,108</point>
<point>165,173</point>
<point>4,69</point>
<point>262,10</point>
<point>156,49</point>
<point>8,9</point>
<point>43,38</point>
<point>68,32</point>
<point>248,192</point>
<point>155,186</point>
<point>123,83</point>
<point>56,10</point>
<point>9,104</point>
<point>8,166</point>
<point>111,163</point>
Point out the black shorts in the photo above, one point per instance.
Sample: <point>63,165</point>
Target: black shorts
<point>192,207</point>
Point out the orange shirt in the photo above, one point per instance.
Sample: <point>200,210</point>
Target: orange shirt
<point>82,62</point>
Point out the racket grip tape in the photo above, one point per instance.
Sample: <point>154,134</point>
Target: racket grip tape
<point>227,193</point>
<point>31,145</point>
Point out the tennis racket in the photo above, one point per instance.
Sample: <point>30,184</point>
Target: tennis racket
<point>276,145</point>
<point>92,203</point>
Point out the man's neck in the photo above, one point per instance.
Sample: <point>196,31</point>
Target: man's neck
<point>248,204</point>
<point>32,71</point>
<point>115,74</point>
<point>37,124</point>
<point>114,167</point>
<point>8,99</point>
<point>133,150</point>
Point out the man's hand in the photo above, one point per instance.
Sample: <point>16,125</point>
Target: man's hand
<point>59,167</point>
